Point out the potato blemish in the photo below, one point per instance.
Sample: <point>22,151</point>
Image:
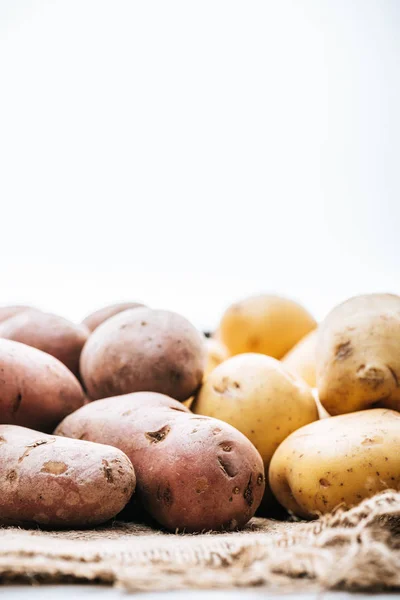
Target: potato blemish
<point>54,467</point>
<point>16,404</point>
<point>227,467</point>
<point>165,495</point>
<point>107,470</point>
<point>155,437</point>
<point>248,493</point>
<point>324,482</point>
<point>343,351</point>
<point>11,475</point>
<point>201,485</point>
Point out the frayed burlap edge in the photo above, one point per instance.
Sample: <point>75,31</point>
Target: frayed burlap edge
<point>356,549</point>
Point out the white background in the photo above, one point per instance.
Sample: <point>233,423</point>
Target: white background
<point>188,153</point>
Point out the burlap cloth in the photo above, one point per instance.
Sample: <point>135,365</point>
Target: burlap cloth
<point>354,550</point>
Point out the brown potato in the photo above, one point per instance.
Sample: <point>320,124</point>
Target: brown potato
<point>358,354</point>
<point>37,390</point>
<point>264,324</point>
<point>57,482</point>
<point>144,350</point>
<point>193,473</point>
<point>98,317</point>
<point>50,333</point>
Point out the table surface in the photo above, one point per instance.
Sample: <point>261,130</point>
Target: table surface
<point>91,592</point>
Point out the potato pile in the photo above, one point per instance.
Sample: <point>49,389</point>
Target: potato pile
<point>67,461</point>
<point>135,410</point>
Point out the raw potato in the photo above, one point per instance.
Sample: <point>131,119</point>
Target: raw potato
<point>267,324</point>
<point>337,461</point>
<point>216,354</point>
<point>358,354</point>
<point>258,396</point>
<point>301,359</point>
<point>57,482</point>
<point>50,333</point>
<point>37,390</point>
<point>95,319</point>
<point>193,473</point>
<point>144,350</point>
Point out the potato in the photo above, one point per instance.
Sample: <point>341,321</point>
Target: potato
<point>57,482</point>
<point>193,473</point>
<point>50,333</point>
<point>10,311</point>
<point>144,350</point>
<point>36,389</point>
<point>95,319</point>
<point>216,354</point>
<point>301,359</point>
<point>258,396</point>
<point>266,324</point>
<point>358,354</point>
<point>337,461</point>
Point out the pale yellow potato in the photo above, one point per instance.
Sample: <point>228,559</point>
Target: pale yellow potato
<point>216,354</point>
<point>358,355</point>
<point>266,324</point>
<point>300,360</point>
<point>257,395</point>
<point>337,461</point>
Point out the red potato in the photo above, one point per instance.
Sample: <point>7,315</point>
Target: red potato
<point>193,473</point>
<point>98,317</point>
<point>50,333</point>
<point>36,389</point>
<point>58,482</point>
<point>144,350</point>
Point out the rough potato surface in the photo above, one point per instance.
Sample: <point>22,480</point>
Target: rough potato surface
<point>59,482</point>
<point>193,473</point>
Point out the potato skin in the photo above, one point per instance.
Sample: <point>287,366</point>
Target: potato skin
<point>98,317</point>
<point>337,461</point>
<point>58,482</point>
<point>216,354</point>
<point>358,354</point>
<point>301,359</point>
<point>193,473</point>
<point>258,396</point>
<point>37,390</point>
<point>143,350</point>
<point>266,324</point>
<point>47,332</point>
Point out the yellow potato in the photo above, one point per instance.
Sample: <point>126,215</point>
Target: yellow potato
<point>266,324</point>
<point>358,354</point>
<point>216,354</point>
<point>300,360</point>
<point>258,396</point>
<point>337,461</point>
